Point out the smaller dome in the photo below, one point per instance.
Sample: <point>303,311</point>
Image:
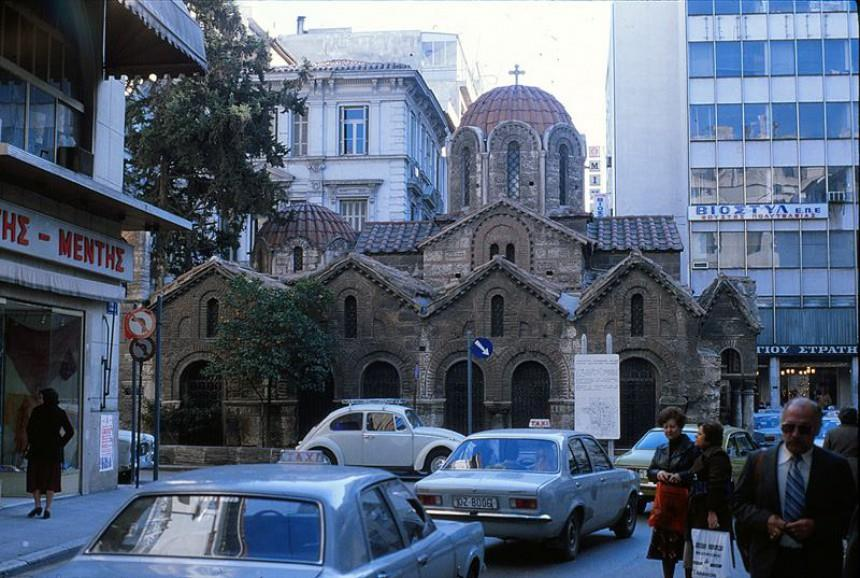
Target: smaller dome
<point>316,224</point>
<point>529,104</point>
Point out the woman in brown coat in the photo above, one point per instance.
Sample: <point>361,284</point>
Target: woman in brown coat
<point>711,478</point>
<point>45,453</point>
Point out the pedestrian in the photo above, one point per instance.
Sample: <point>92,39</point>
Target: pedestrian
<point>45,452</point>
<point>843,438</point>
<point>670,460</point>
<point>711,487</point>
<point>794,501</point>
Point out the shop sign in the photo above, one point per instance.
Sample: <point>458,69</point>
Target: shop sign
<point>778,211</point>
<point>806,349</point>
<point>38,235</point>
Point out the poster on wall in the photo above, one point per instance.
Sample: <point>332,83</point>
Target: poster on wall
<point>106,443</point>
<point>596,389</point>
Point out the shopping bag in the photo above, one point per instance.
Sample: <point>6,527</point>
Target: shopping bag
<point>712,554</point>
<point>669,511</point>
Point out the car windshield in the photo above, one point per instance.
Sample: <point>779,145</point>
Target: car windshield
<point>505,454</point>
<point>206,526</point>
<point>767,421</point>
<point>413,418</point>
<point>653,439</point>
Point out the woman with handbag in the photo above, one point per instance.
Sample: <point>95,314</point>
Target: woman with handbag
<point>711,478</point>
<point>669,512</point>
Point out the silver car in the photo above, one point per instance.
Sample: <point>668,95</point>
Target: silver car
<point>280,520</point>
<point>543,485</point>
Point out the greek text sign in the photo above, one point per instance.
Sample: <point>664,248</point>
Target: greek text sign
<point>777,211</point>
<point>806,350</point>
<point>597,395</point>
<point>106,443</point>
<point>37,235</point>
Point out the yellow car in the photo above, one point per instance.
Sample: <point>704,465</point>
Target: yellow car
<point>736,441</point>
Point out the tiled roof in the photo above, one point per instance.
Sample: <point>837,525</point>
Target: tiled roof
<point>343,65</point>
<point>401,237</point>
<point>315,223</point>
<point>643,233</point>
<point>528,104</point>
<point>217,265</point>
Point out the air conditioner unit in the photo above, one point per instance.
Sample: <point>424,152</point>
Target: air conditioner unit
<point>700,264</point>
<point>839,197</point>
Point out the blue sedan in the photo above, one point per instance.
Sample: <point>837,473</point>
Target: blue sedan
<point>280,520</point>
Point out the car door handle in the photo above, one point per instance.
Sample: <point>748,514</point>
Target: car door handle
<point>578,485</point>
<point>368,436</point>
<point>423,559</point>
<point>602,479</point>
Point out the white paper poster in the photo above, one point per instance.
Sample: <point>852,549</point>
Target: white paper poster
<point>597,400</point>
<point>106,443</point>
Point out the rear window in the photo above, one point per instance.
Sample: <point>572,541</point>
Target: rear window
<point>234,527</point>
<point>767,421</point>
<point>505,454</point>
<point>653,439</point>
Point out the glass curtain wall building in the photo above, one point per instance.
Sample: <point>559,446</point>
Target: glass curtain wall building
<point>771,175</point>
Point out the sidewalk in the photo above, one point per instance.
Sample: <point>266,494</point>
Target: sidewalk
<point>27,543</point>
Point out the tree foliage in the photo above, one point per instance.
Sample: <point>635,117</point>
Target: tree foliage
<point>199,146</point>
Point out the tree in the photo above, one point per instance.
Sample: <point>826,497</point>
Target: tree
<point>200,146</point>
<point>268,336</point>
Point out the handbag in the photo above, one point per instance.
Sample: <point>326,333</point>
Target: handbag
<point>712,554</point>
<point>669,511</point>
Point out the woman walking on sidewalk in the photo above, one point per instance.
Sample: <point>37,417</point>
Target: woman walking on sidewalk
<point>45,453</point>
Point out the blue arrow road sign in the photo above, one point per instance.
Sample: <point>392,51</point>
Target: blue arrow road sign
<point>482,347</point>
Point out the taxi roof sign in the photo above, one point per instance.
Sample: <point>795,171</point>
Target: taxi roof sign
<point>303,457</point>
<point>539,423</point>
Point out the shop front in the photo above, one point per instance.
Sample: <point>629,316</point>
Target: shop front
<point>824,373</point>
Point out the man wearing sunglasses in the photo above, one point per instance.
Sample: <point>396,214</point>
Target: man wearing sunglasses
<point>795,500</point>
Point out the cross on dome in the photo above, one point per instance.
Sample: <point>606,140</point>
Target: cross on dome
<point>516,72</point>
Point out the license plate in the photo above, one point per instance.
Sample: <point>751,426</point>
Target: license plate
<point>476,503</point>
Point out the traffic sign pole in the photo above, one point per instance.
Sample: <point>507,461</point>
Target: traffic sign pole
<point>157,409</point>
<point>468,383</point>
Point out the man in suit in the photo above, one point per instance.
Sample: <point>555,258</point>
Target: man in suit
<point>795,501</point>
<point>844,440</point>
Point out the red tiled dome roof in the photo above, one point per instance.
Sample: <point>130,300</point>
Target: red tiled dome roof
<point>315,223</point>
<point>528,104</point>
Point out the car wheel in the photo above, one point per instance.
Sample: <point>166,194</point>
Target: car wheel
<point>474,570</point>
<point>328,454</point>
<point>435,460</point>
<point>626,525</point>
<point>570,537</point>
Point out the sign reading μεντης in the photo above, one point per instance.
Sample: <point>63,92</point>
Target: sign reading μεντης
<point>37,235</point>
<point>774,211</point>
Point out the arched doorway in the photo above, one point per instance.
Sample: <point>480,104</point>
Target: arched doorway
<point>638,399</point>
<point>529,394</point>
<point>313,405</point>
<point>199,415</point>
<point>731,381</point>
<point>456,401</point>
<point>380,380</point>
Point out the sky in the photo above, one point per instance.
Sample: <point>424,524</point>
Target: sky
<point>562,45</point>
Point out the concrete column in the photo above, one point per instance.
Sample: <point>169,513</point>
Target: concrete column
<point>855,370</point>
<point>748,396</point>
<point>773,379</point>
<point>737,407</point>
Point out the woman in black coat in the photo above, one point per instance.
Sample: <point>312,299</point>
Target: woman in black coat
<point>711,477</point>
<point>45,453</point>
<point>670,461</point>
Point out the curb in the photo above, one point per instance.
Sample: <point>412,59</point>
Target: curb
<point>39,558</point>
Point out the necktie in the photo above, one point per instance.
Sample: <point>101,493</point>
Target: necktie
<point>795,494</point>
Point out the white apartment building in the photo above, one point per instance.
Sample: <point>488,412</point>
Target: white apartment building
<point>740,119</point>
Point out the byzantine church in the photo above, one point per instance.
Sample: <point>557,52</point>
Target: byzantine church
<point>515,259</point>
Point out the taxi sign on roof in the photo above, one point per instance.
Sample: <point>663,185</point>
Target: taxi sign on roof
<point>303,457</point>
<point>539,423</point>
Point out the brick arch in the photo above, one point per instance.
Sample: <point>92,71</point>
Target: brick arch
<point>180,366</point>
<point>471,138</point>
<point>440,360</point>
<point>559,371</point>
<point>530,186</point>
<point>282,256</point>
<point>203,309</point>
<point>554,137</point>
<point>348,369</point>
<point>491,230</point>
<point>668,373</point>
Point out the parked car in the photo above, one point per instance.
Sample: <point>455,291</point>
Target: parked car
<point>766,427</point>
<point>541,485</point>
<point>736,441</point>
<point>147,454</point>
<point>382,434</point>
<point>827,424</point>
<point>270,520</point>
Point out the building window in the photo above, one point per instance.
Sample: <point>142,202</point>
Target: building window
<point>758,185</point>
<point>756,121</point>
<point>703,253</point>
<point>701,59</point>
<point>703,186</point>
<point>836,57</point>
<point>728,59</point>
<point>814,249</point>
<point>754,58</point>
<point>494,250</point>
<point>786,249</point>
<point>298,259</point>
<point>511,253</point>
<point>350,317</point>
<point>637,316</point>
<point>513,169</point>
<point>299,135</point>
<point>466,175</point>
<point>731,250</point>
<point>782,57</point>
<point>842,249</point>
<point>212,317</point>
<point>731,186</point>
<point>840,185</point>
<point>353,130</point>
<point>729,121</point>
<point>355,212</point>
<point>809,57</point>
<point>753,6</point>
<point>813,185</point>
<point>759,249</point>
<point>786,185</point>
<point>702,122</point>
<point>497,316</point>
<point>700,7</point>
<point>811,120</point>
<point>784,120</point>
<point>839,120</point>
<point>562,174</point>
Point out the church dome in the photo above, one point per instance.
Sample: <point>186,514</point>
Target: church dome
<point>314,223</point>
<point>528,104</point>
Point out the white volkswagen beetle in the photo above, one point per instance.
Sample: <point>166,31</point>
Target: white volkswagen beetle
<point>383,434</point>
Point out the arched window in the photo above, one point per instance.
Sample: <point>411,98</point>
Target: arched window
<point>731,361</point>
<point>562,175</point>
<point>637,316</point>
<point>513,169</point>
<point>212,317</point>
<point>466,174</point>
<point>497,316</point>
<point>298,259</point>
<point>511,253</point>
<point>350,317</point>
<point>494,250</point>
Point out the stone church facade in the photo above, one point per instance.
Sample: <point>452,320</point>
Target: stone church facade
<point>517,260</point>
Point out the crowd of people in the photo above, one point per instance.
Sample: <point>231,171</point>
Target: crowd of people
<point>791,511</point>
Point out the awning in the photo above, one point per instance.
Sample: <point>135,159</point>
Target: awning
<point>78,190</point>
<point>146,37</point>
